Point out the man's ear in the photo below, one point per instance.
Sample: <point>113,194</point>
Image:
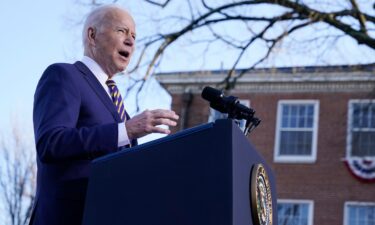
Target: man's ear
<point>91,35</point>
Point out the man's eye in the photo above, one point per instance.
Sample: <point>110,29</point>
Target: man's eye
<point>121,30</point>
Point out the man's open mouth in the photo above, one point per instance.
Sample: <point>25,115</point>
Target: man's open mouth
<point>124,53</point>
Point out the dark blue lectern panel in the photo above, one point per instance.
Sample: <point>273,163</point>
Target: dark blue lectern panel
<point>198,176</point>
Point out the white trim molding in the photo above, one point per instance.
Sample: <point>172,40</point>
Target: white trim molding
<point>314,129</point>
<point>310,205</point>
<point>350,125</point>
<point>353,203</point>
<point>277,80</point>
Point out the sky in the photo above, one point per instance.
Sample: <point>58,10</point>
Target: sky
<point>32,37</point>
<point>38,33</point>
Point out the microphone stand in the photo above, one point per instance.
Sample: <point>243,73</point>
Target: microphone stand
<point>235,111</point>
<point>251,124</point>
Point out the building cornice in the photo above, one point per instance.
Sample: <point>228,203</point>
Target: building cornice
<point>275,81</point>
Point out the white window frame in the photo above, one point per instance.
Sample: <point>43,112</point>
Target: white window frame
<point>290,158</point>
<point>352,203</point>
<point>310,203</point>
<point>349,126</point>
<point>245,102</point>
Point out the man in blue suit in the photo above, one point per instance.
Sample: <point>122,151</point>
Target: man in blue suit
<point>76,121</point>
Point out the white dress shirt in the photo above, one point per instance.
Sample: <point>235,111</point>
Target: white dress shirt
<point>102,77</point>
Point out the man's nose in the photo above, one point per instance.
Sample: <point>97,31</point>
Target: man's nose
<point>129,41</point>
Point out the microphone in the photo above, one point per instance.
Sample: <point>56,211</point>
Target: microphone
<point>231,105</point>
<point>226,104</point>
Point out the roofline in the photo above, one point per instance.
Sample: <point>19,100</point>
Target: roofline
<point>300,69</point>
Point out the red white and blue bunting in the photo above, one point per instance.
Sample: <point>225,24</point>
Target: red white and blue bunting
<point>362,168</point>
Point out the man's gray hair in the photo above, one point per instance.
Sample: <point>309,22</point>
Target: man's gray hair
<point>96,19</point>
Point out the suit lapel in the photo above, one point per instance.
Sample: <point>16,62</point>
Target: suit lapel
<point>98,89</point>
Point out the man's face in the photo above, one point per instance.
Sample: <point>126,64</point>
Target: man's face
<point>114,42</point>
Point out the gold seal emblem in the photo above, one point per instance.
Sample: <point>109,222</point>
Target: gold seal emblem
<point>260,198</point>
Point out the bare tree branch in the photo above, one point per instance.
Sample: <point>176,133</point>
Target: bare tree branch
<point>330,18</point>
<point>360,16</point>
<point>17,177</point>
<point>162,5</point>
<point>352,22</point>
<point>230,81</point>
<point>191,10</point>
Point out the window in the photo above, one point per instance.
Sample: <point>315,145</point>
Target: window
<point>359,213</point>
<point>215,115</point>
<point>361,128</point>
<point>296,132</point>
<point>295,212</point>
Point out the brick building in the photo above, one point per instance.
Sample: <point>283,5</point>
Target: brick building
<point>317,122</point>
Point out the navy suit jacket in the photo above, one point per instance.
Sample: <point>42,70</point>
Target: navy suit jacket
<point>75,121</point>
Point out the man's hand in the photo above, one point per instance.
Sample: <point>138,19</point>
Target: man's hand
<point>147,122</point>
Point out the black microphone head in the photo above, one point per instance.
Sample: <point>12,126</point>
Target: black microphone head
<point>216,99</point>
<point>211,94</point>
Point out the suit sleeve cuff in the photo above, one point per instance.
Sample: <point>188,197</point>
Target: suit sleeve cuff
<point>123,138</point>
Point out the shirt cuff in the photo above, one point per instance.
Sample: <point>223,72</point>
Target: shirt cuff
<point>123,138</point>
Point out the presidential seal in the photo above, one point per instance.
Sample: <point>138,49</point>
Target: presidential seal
<point>260,197</point>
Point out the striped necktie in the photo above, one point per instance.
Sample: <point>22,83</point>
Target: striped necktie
<point>116,98</point>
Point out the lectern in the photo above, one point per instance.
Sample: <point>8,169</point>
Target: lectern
<point>200,176</point>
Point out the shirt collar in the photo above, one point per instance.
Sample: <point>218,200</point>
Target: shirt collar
<point>95,69</point>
